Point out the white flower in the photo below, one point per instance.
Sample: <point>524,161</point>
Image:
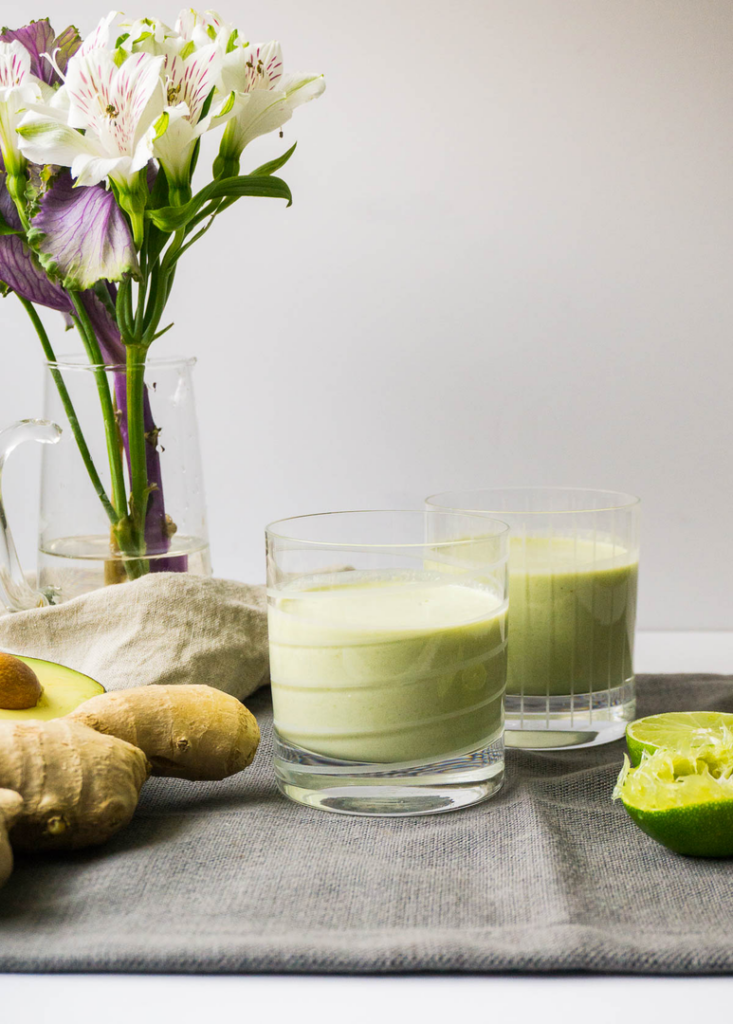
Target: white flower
<point>18,89</point>
<point>115,107</point>
<point>267,96</point>
<point>149,35</point>
<point>188,83</point>
<point>99,38</point>
<point>201,28</point>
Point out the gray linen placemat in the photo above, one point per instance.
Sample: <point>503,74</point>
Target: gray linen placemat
<point>548,876</point>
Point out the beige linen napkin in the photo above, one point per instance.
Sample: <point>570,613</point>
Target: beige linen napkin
<point>162,628</point>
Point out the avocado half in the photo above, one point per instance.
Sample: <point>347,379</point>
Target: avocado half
<point>63,690</point>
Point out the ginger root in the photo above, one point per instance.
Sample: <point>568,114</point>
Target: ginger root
<point>72,782</point>
<point>19,685</point>
<point>78,786</point>
<point>10,806</point>
<point>187,732</point>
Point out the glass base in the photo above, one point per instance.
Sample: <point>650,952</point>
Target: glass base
<point>389,790</point>
<point>71,566</point>
<point>569,721</point>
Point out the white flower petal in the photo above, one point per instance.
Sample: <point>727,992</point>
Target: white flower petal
<point>45,140</point>
<point>98,39</point>
<point>301,88</point>
<point>15,64</point>
<point>174,149</point>
<point>264,111</point>
<point>89,169</point>
<point>190,81</point>
<point>203,28</point>
<point>149,35</point>
<point>144,150</point>
<point>249,68</point>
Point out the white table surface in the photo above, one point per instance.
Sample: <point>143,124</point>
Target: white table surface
<point>136,999</point>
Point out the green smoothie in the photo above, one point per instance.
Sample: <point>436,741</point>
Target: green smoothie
<point>572,607</point>
<point>387,668</point>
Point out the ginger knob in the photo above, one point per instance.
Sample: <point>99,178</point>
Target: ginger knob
<point>19,685</point>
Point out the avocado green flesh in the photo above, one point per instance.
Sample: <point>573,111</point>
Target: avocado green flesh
<point>63,690</point>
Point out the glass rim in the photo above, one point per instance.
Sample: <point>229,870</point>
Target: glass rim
<point>270,531</point>
<point>628,501</point>
<point>76,361</point>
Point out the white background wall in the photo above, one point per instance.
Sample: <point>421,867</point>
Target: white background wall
<point>509,261</point>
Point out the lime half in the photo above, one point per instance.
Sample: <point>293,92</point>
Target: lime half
<point>678,731</point>
<point>684,800</point>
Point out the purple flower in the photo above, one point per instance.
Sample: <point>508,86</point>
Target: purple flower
<point>81,235</point>
<point>39,38</point>
<point>19,268</point>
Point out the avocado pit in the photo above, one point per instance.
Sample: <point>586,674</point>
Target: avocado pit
<point>20,687</point>
<point>57,690</point>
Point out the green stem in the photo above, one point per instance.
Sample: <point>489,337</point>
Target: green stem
<point>70,411</point>
<point>86,330</point>
<point>129,315</point>
<point>16,185</point>
<point>179,195</point>
<point>141,288</point>
<point>121,310</point>
<point>154,284</point>
<point>158,297</point>
<point>139,492</point>
<point>172,251</point>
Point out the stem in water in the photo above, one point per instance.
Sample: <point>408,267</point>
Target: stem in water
<point>139,492</point>
<point>70,411</point>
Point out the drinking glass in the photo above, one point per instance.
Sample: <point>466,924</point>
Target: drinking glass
<point>573,567</point>
<point>388,659</point>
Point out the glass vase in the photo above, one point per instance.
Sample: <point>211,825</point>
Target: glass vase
<point>82,543</point>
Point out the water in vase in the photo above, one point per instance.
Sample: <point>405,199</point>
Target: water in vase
<point>75,565</point>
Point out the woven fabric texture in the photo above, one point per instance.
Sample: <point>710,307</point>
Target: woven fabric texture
<point>548,876</point>
<point>163,628</point>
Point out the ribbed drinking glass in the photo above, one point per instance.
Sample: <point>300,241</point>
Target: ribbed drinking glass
<point>573,568</point>
<point>388,659</point>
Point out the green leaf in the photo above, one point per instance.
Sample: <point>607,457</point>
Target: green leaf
<point>228,105</point>
<point>161,125</point>
<point>161,333</point>
<point>197,147</point>
<point>275,165</point>
<point>159,195</point>
<point>158,199</point>
<point>171,218</point>
<point>207,103</point>
<point>5,229</point>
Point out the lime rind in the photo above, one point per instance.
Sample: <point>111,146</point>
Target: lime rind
<point>682,797</point>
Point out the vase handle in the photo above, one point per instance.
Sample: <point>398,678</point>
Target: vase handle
<point>15,592</point>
